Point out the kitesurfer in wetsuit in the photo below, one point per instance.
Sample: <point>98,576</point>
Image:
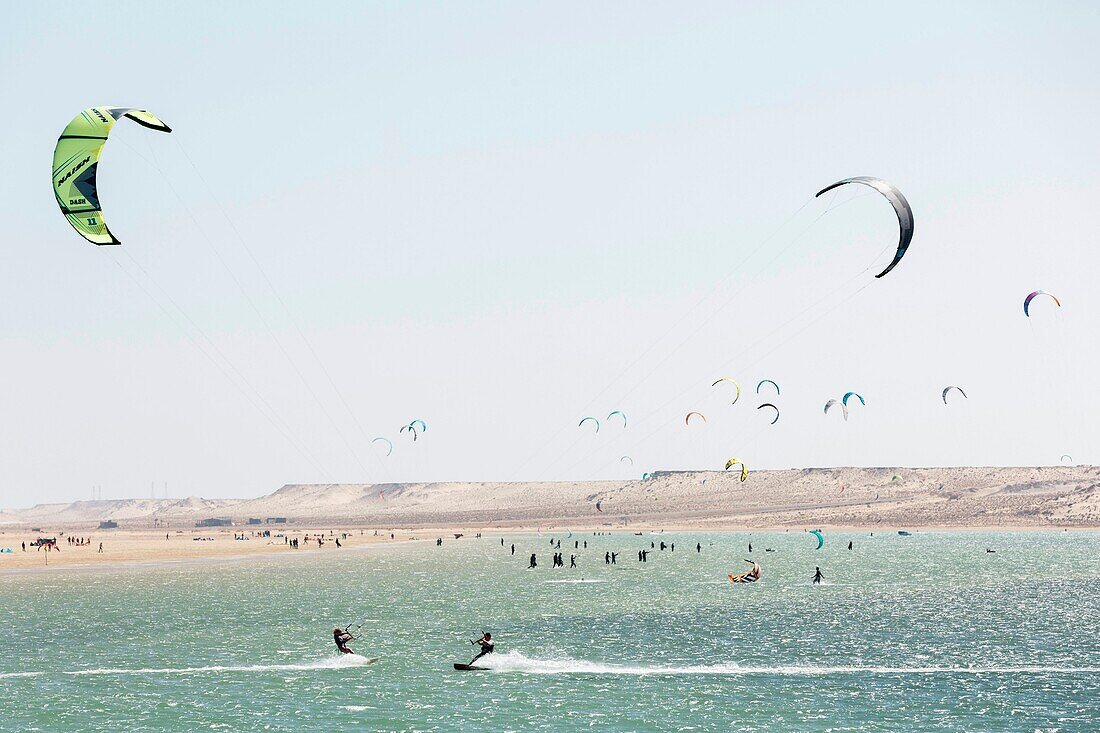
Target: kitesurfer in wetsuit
<point>818,577</point>
<point>486,644</point>
<point>342,637</point>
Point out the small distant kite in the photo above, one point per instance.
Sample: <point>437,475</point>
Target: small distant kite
<point>762,382</point>
<point>586,419</point>
<point>620,413</point>
<point>844,402</point>
<point>1031,296</point>
<point>768,404</point>
<point>389,445</point>
<point>901,208</point>
<point>1066,457</point>
<point>736,386</point>
<point>948,389</point>
<point>627,458</point>
<point>687,417</point>
<point>738,462</point>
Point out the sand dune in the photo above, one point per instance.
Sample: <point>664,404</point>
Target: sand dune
<point>927,497</point>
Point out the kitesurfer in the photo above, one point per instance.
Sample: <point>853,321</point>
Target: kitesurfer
<point>572,561</point>
<point>533,563</point>
<point>342,637</point>
<point>849,544</point>
<point>486,643</point>
<point>818,577</point>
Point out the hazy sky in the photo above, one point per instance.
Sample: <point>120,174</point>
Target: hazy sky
<point>503,217</point>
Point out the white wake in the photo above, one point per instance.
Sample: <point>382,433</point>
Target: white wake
<point>518,662</point>
<point>341,662</point>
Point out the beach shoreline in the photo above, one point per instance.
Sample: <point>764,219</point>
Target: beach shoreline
<point>147,549</point>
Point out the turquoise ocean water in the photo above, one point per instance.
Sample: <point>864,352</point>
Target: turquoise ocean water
<point>921,633</point>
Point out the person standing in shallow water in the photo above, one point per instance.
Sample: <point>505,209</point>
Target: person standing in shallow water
<point>533,563</point>
<point>699,547</point>
<point>818,577</point>
<point>849,544</point>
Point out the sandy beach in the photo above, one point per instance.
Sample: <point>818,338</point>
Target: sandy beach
<point>363,514</point>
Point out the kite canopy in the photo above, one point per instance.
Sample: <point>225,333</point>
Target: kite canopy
<point>901,208</point>
<point>586,419</point>
<point>620,413</point>
<point>1031,296</point>
<point>948,389</point>
<point>829,404</point>
<point>76,162</point>
<point>687,417</point>
<point>762,382</point>
<point>389,445</point>
<point>768,404</point>
<point>735,386</point>
<point>738,462</point>
<point>627,458</point>
<point>1066,457</point>
<point>820,538</point>
<point>848,395</point>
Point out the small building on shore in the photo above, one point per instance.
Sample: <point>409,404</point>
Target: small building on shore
<point>255,520</point>
<point>215,522</point>
<point>108,524</point>
<point>275,520</point>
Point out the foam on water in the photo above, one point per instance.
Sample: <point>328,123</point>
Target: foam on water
<point>576,581</point>
<point>518,662</point>
<point>341,662</point>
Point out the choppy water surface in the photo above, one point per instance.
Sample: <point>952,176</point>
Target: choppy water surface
<point>920,633</point>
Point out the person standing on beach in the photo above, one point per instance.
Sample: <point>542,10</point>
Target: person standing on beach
<point>818,577</point>
<point>100,548</point>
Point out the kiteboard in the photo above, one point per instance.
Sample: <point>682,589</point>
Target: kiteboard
<point>469,667</point>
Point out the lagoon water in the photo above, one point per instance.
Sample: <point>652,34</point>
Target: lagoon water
<point>921,633</point>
